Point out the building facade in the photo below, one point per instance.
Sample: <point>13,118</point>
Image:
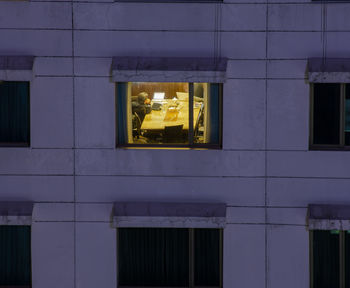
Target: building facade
<point>265,170</point>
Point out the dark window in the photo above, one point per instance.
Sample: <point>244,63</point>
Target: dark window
<point>171,114</point>
<point>169,257</point>
<point>15,256</point>
<point>330,121</point>
<point>326,113</point>
<point>206,257</point>
<point>14,113</point>
<point>330,260</point>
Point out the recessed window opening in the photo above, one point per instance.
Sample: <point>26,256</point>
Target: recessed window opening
<point>330,258</point>
<point>14,113</point>
<point>15,256</point>
<point>330,116</point>
<point>171,114</point>
<point>169,257</point>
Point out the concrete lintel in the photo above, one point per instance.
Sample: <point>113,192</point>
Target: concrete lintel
<point>15,220</point>
<point>158,209</point>
<point>16,68</point>
<point>169,222</point>
<point>329,217</point>
<point>329,70</point>
<point>16,75</point>
<point>16,62</point>
<point>175,215</point>
<point>177,69</point>
<point>329,77</point>
<point>326,224</point>
<point>329,212</point>
<point>16,213</point>
<point>168,76</point>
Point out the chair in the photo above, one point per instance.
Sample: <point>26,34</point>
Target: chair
<point>173,134</point>
<point>136,125</point>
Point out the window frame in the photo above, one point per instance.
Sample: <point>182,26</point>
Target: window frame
<point>190,144</point>
<point>341,146</point>
<point>342,272</point>
<point>191,259</point>
<point>20,144</point>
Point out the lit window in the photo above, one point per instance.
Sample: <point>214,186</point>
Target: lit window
<point>169,114</point>
<point>15,256</point>
<point>330,258</point>
<point>14,113</point>
<point>169,257</point>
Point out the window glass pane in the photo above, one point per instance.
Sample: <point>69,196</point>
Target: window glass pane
<point>15,262</point>
<point>121,107</point>
<point>325,259</point>
<point>207,257</point>
<point>206,113</point>
<point>347,258</point>
<point>326,114</point>
<point>153,256</point>
<point>347,115</point>
<point>14,112</point>
<point>159,113</point>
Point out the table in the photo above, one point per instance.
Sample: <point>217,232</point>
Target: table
<point>170,116</point>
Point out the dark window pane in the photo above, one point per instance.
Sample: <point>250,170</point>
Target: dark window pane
<point>15,262</point>
<point>347,259</point>
<point>325,259</point>
<point>121,102</point>
<point>14,112</point>
<point>153,256</point>
<point>207,257</point>
<point>347,115</point>
<point>207,113</point>
<point>326,114</point>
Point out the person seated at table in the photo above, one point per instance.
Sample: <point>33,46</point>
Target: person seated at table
<point>141,105</point>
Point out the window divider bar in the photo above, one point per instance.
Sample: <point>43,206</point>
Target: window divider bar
<point>221,232</point>
<point>191,257</point>
<point>190,113</point>
<point>342,259</point>
<point>342,114</point>
<point>311,258</point>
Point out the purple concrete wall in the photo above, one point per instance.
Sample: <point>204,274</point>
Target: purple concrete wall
<point>265,173</point>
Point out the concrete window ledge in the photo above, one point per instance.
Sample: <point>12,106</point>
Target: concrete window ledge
<point>6,286</point>
<point>169,215</point>
<point>329,70</point>
<point>329,217</point>
<point>16,68</point>
<point>15,213</point>
<point>181,69</point>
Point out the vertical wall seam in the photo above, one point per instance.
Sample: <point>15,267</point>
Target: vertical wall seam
<point>266,127</point>
<point>74,150</point>
<point>324,31</point>
<point>216,18</point>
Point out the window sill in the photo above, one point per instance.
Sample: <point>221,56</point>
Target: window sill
<point>328,148</point>
<point>15,286</point>
<point>123,286</point>
<point>14,145</point>
<point>170,1</point>
<point>330,1</point>
<point>171,147</point>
